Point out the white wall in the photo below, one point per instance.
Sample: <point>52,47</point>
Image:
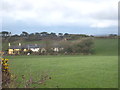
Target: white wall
<point>35,49</point>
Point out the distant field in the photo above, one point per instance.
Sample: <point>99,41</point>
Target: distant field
<point>106,46</point>
<point>69,71</point>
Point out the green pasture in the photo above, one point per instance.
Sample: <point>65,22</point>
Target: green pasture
<point>69,71</point>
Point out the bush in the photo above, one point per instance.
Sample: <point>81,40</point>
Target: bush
<point>82,46</point>
<point>5,73</point>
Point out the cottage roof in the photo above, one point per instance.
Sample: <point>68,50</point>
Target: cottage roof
<point>25,46</point>
<point>54,45</point>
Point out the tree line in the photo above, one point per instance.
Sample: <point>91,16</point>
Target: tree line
<point>41,36</point>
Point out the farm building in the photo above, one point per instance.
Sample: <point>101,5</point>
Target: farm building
<point>34,48</point>
<point>25,48</point>
<point>56,48</point>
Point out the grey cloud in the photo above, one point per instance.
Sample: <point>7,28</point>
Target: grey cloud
<point>10,7</point>
<point>109,14</point>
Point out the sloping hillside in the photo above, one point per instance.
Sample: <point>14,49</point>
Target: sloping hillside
<point>106,46</point>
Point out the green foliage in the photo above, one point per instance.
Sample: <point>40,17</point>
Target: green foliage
<point>82,46</point>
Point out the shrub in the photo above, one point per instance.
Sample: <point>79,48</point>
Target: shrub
<point>5,73</point>
<point>82,46</point>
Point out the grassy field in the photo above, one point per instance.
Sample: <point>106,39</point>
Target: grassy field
<point>96,71</point>
<point>70,71</point>
<point>106,46</point>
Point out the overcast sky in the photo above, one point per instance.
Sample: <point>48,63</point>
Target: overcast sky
<point>94,17</point>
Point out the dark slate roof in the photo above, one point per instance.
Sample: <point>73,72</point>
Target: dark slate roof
<point>25,46</point>
<point>54,45</point>
<point>32,46</point>
<point>15,47</point>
